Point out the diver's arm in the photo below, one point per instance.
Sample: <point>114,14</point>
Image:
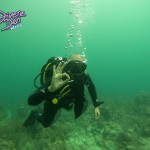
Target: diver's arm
<point>36,97</point>
<point>48,90</point>
<point>57,78</point>
<point>92,91</point>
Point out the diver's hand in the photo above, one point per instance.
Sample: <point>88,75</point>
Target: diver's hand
<point>97,112</point>
<point>57,81</point>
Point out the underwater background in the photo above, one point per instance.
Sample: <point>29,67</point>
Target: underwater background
<point>114,37</point>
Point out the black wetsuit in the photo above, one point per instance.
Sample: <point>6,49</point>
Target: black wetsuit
<point>75,95</point>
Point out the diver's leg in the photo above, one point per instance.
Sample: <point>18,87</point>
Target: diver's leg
<point>80,105</point>
<point>48,115</point>
<point>45,118</point>
<point>31,118</point>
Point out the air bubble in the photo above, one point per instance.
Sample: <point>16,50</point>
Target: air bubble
<point>70,12</point>
<point>71,35</point>
<point>80,21</point>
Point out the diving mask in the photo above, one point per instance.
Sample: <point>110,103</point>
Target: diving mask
<point>76,67</point>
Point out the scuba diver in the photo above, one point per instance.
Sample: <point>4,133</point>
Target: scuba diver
<point>62,86</point>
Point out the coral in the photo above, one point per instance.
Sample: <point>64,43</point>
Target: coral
<point>122,125</point>
<point>107,113</point>
<point>142,99</point>
<point>6,144</point>
<point>145,128</point>
<point>124,138</point>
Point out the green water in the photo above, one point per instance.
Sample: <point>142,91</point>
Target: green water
<point>116,36</point>
<point>115,40</point>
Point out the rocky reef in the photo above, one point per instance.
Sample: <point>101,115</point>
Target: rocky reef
<point>124,125</point>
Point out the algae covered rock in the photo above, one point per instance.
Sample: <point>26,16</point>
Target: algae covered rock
<point>6,144</point>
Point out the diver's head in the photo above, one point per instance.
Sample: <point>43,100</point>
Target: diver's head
<point>77,57</point>
<point>76,64</point>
